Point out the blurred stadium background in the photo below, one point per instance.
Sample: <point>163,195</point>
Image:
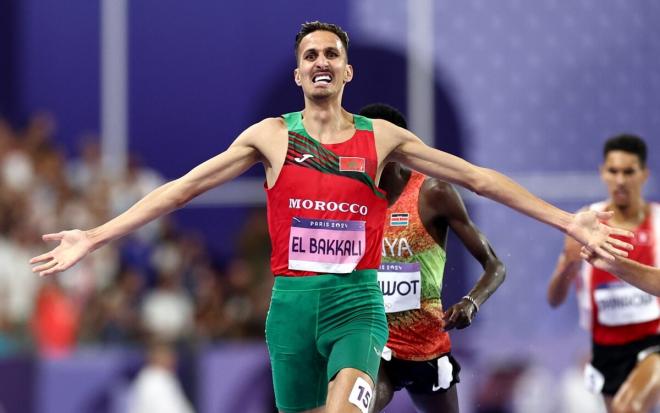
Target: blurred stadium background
<point>101,101</point>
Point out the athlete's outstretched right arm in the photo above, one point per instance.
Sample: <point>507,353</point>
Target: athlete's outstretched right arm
<point>568,267</point>
<point>642,276</point>
<point>76,244</point>
<point>399,145</point>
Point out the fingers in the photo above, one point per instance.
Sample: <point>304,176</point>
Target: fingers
<point>58,267</point>
<point>45,267</point>
<point>43,257</point>
<point>604,214</point>
<point>449,325</point>
<point>620,244</point>
<point>450,319</point>
<point>53,237</point>
<point>621,232</point>
<point>615,251</point>
<point>601,252</point>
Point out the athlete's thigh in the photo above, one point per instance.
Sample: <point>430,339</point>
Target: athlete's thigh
<point>299,371</point>
<point>640,391</point>
<point>351,391</point>
<point>440,402</point>
<point>384,391</point>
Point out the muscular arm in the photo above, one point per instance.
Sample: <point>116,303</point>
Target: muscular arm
<point>568,267</point>
<point>451,209</point>
<point>397,144</point>
<point>245,151</point>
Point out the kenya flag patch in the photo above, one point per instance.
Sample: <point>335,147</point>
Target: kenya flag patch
<point>399,219</point>
<point>351,164</point>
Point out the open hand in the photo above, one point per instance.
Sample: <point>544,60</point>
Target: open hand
<point>459,315</point>
<point>589,231</point>
<point>74,245</point>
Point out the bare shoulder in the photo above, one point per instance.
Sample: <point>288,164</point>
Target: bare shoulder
<point>387,130</point>
<point>444,197</point>
<point>440,189</point>
<point>266,128</point>
<point>389,138</point>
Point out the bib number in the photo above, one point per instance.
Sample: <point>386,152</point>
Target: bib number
<point>401,286</point>
<point>326,246</point>
<point>621,304</point>
<point>361,395</point>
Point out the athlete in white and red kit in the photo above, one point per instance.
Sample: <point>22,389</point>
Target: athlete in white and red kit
<point>624,321</point>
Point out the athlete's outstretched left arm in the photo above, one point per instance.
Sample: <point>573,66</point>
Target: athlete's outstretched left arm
<point>450,210</point>
<point>399,145</point>
<point>75,244</point>
<point>642,276</point>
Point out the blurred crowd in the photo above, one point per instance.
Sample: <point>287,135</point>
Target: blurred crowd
<point>160,283</point>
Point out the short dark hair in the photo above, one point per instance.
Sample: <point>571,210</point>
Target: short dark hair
<point>627,143</point>
<point>386,112</point>
<point>311,27</point>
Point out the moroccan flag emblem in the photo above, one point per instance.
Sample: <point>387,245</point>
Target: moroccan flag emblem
<point>351,164</point>
<point>399,219</point>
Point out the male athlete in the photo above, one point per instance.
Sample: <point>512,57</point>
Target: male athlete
<point>414,243</point>
<point>326,325</point>
<point>624,321</point>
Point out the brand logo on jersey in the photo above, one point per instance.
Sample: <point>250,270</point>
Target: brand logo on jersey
<point>331,206</point>
<point>351,164</point>
<point>399,219</point>
<point>303,158</point>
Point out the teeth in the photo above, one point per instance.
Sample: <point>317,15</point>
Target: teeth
<point>322,78</point>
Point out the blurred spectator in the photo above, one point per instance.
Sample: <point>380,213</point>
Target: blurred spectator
<point>113,316</point>
<point>55,321</point>
<point>163,283</point>
<point>167,310</point>
<point>211,322</point>
<point>157,388</point>
<point>240,306</point>
<point>573,394</point>
<point>495,394</point>
<point>531,391</point>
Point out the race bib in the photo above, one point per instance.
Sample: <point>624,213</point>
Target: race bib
<point>620,304</point>
<point>401,286</point>
<point>326,246</point>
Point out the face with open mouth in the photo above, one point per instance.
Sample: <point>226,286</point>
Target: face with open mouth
<point>322,65</point>
<point>624,176</point>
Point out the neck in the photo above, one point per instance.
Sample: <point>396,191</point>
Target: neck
<point>325,116</point>
<point>635,212</point>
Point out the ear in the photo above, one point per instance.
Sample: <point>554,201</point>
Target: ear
<point>296,77</point>
<point>348,74</point>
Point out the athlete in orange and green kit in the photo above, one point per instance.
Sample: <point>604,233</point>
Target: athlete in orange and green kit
<point>418,353</point>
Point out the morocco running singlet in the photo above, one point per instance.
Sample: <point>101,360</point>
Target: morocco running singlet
<point>411,280</point>
<point>325,212</point>
<point>615,311</point>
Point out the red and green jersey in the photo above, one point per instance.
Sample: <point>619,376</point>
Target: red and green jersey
<point>411,279</point>
<point>325,212</point>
